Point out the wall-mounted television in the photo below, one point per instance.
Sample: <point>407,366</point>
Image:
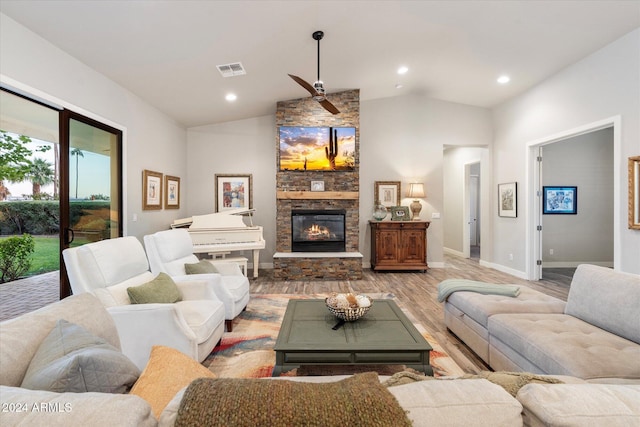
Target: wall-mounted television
<point>317,148</point>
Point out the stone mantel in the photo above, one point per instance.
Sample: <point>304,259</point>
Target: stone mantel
<point>317,195</point>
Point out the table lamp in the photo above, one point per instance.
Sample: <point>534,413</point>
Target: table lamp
<point>416,191</point>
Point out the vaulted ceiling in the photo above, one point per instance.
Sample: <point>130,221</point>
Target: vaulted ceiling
<point>166,52</point>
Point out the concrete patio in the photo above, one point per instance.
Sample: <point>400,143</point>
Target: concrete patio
<point>25,295</point>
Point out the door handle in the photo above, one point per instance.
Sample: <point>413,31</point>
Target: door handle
<point>73,236</point>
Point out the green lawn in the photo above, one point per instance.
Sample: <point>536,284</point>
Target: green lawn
<point>46,256</point>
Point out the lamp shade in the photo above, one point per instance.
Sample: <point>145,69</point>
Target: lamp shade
<point>416,190</point>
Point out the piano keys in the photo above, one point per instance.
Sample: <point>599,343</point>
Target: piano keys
<point>224,232</point>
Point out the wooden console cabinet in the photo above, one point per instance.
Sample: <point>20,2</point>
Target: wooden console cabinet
<point>399,245</point>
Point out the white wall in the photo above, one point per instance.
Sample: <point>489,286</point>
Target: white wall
<point>402,139</point>
<point>585,161</point>
<point>603,85</point>
<point>151,139</point>
<point>239,147</point>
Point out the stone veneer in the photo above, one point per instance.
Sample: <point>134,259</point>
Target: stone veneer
<point>308,113</point>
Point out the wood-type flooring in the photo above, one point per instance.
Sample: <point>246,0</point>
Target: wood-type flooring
<point>417,292</point>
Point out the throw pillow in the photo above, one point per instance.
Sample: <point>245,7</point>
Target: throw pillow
<point>202,267</point>
<point>359,400</point>
<point>72,359</point>
<point>167,372</point>
<point>162,289</point>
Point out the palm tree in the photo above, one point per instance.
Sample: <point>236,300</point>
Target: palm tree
<point>56,169</point>
<point>40,174</point>
<point>78,153</point>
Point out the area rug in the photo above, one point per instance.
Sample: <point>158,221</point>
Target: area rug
<point>247,352</point>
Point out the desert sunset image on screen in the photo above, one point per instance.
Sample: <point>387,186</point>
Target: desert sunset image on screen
<point>317,148</point>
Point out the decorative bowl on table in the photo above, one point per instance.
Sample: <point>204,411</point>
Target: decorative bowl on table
<point>348,307</point>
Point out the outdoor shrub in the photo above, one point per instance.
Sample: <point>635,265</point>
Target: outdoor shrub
<point>36,217</point>
<point>42,217</point>
<point>15,256</point>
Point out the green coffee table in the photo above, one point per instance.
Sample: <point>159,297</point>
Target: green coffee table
<point>384,336</point>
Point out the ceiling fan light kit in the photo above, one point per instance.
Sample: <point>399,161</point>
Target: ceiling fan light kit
<point>317,91</point>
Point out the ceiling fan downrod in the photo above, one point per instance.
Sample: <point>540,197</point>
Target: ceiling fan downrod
<point>318,85</point>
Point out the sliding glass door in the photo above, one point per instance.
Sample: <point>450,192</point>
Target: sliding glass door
<point>92,170</point>
<point>72,165</point>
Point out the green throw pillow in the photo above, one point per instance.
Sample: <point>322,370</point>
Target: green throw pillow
<point>162,289</point>
<point>72,359</point>
<point>202,267</point>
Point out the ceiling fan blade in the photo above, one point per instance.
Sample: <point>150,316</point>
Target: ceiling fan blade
<point>304,84</point>
<point>329,106</point>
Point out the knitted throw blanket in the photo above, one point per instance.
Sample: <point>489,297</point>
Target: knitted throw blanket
<point>449,286</point>
<point>510,381</point>
<point>359,400</point>
<point>513,381</point>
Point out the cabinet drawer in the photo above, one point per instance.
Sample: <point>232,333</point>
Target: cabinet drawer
<point>399,225</point>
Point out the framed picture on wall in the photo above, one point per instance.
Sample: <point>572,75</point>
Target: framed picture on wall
<point>317,185</point>
<point>233,191</point>
<point>559,200</point>
<point>171,192</point>
<point>508,200</point>
<point>634,193</point>
<point>387,193</point>
<point>151,190</point>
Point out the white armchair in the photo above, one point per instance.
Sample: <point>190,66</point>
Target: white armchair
<point>107,268</point>
<point>170,250</point>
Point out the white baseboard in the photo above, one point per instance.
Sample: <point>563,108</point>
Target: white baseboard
<point>573,264</point>
<point>453,252</point>
<point>517,273</point>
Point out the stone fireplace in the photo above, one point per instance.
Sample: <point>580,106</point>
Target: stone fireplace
<point>341,193</point>
<point>317,230</point>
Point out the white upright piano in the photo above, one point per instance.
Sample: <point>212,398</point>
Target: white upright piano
<point>224,232</point>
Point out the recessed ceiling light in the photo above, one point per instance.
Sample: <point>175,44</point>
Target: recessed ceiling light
<point>231,97</point>
<point>398,86</point>
<point>402,70</point>
<point>503,79</point>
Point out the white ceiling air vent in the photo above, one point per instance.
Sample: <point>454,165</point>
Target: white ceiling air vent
<point>231,70</point>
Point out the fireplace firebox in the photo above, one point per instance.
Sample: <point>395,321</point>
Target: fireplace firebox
<point>318,230</point>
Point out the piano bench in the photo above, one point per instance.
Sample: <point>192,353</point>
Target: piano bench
<point>240,260</point>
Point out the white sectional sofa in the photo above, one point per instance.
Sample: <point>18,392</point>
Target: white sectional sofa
<point>594,336</point>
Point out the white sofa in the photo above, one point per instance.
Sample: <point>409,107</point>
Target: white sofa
<point>447,402</point>
<point>107,268</point>
<point>594,336</point>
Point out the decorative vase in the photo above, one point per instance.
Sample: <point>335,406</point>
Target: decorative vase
<point>380,212</point>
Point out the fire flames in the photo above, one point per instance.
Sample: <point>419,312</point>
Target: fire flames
<point>317,232</point>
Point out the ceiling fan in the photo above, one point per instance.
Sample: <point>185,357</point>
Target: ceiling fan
<point>317,90</point>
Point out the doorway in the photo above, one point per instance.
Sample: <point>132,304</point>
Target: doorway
<point>465,196</point>
<point>598,203</point>
<point>586,236</point>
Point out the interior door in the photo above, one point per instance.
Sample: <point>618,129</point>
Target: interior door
<point>473,210</point>
<point>91,190</point>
